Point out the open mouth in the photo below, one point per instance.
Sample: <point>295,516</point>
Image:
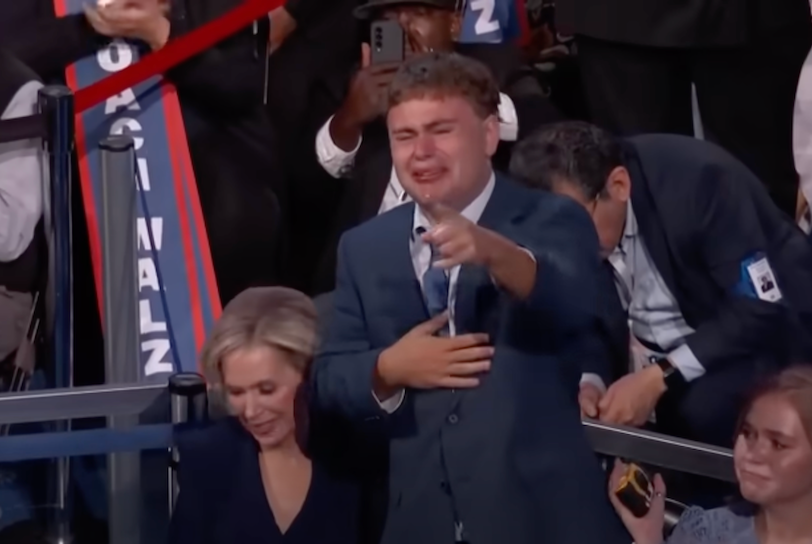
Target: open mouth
<point>428,176</point>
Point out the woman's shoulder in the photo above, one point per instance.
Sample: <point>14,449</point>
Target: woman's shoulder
<point>215,445</point>
<point>728,524</point>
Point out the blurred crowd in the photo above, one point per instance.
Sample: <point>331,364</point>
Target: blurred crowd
<point>441,249</point>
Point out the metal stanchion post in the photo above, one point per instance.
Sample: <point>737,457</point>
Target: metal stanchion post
<point>56,104</point>
<point>189,405</point>
<point>119,260</point>
<point>121,325</point>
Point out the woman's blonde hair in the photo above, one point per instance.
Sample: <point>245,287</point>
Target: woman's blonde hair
<point>275,317</point>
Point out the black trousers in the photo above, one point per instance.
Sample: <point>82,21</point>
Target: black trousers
<point>746,97</point>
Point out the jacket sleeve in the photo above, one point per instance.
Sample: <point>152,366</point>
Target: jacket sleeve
<point>343,370</point>
<point>228,78</point>
<point>728,231</point>
<point>606,352</point>
<point>595,354</point>
<point>563,241</point>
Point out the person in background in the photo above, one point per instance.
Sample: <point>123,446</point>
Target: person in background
<point>714,280</point>
<point>23,269</point>
<point>221,91</point>
<point>314,52</point>
<point>21,204</point>
<point>639,59</point>
<point>253,476</point>
<point>773,462</point>
<point>354,144</point>
<point>451,323</point>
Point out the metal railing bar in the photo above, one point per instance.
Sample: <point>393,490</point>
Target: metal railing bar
<point>661,451</point>
<point>86,442</point>
<point>80,402</point>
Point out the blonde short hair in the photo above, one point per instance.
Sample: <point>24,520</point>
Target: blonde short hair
<point>275,317</point>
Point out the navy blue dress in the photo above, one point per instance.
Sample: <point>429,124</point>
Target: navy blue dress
<point>222,498</point>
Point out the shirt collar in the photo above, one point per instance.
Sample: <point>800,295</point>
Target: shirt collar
<point>472,212</point>
<point>630,230</point>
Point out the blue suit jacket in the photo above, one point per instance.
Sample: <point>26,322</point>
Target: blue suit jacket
<point>510,456</point>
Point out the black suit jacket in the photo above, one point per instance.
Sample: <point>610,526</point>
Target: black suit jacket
<point>373,164</point>
<point>700,214</point>
<point>679,23</point>
<point>511,452</point>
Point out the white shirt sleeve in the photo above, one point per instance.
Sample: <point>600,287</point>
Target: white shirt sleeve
<point>335,161</point>
<point>20,180</point>
<point>593,379</point>
<point>508,119</point>
<point>802,129</point>
<point>391,404</point>
<point>687,363</point>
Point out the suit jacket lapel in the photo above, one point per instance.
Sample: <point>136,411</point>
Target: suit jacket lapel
<point>650,228</point>
<point>399,275</point>
<point>615,321</point>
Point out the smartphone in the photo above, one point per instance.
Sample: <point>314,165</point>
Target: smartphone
<point>386,42</point>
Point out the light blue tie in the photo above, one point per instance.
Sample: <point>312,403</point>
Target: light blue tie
<point>435,283</point>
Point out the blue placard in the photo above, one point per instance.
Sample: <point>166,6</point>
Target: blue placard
<point>490,21</point>
<point>175,273</point>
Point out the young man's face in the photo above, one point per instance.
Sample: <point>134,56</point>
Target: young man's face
<point>426,28</point>
<point>441,149</point>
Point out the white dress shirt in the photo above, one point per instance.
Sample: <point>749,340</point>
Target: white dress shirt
<point>654,315</point>
<point>338,163</point>
<point>421,260</point>
<point>21,180</point>
<point>802,134</point>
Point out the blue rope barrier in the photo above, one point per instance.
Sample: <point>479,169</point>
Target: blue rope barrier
<point>85,442</point>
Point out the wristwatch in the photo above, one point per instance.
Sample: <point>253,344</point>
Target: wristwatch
<point>671,374</point>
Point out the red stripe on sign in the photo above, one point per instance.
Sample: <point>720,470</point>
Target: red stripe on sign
<point>525,34</point>
<point>175,52</point>
<point>172,115</point>
<point>177,133</point>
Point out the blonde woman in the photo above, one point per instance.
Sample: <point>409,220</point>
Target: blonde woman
<point>247,479</point>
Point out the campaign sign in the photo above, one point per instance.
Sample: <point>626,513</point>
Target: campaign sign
<point>492,21</point>
<point>175,313</point>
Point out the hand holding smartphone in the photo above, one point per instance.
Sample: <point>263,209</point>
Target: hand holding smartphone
<point>387,43</point>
